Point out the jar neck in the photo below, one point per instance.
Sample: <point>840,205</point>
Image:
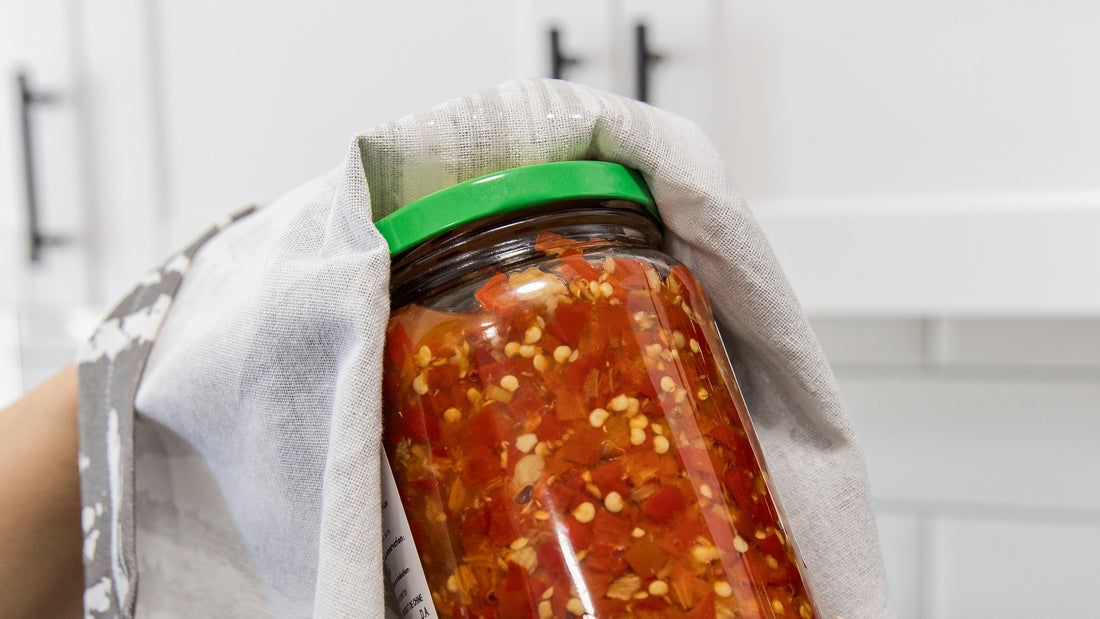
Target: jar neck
<point>475,251</point>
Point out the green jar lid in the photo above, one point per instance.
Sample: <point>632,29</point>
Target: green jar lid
<point>508,191</point>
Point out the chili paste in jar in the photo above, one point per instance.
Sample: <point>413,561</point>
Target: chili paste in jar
<point>576,445</point>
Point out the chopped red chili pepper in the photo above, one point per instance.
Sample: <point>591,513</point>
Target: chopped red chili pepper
<point>580,419</point>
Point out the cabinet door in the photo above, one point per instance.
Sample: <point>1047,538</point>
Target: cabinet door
<point>603,35</point>
<point>872,101</point>
<point>932,157</point>
<point>684,36</point>
<point>43,184</point>
<point>588,40</point>
<point>259,96</point>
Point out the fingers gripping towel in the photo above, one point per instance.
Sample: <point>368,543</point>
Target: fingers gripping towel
<point>252,484</point>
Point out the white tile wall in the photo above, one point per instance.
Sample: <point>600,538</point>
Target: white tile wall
<point>1016,568</point>
<point>900,536</point>
<point>981,437</point>
<point>979,440</point>
<point>1070,343</point>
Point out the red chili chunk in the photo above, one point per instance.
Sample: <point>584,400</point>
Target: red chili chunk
<point>579,423</point>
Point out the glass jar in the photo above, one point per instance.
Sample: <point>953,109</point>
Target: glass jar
<point>564,427</point>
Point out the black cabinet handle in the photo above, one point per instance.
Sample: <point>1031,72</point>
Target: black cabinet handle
<point>558,60</point>
<point>644,59</point>
<point>27,99</point>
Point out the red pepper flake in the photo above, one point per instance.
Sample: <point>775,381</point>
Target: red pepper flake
<point>583,448</point>
<point>610,477</point>
<point>645,557</point>
<point>574,265</point>
<point>665,505</point>
<point>497,500</point>
<point>495,295</point>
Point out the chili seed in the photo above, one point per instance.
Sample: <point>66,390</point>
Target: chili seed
<point>593,490</point>
<point>609,264</point>
<point>633,405</point>
<point>511,349</point>
<point>653,350</point>
<point>723,589</point>
<point>420,384</point>
<point>546,611</point>
<point>527,557</point>
<point>624,587</point>
<point>549,593</point>
<point>542,515</point>
<point>541,363</point>
<point>653,278</point>
<point>637,532</point>
<point>805,611</point>
<point>706,491</point>
<point>639,421</point>
<point>613,502</point>
<point>607,289</point>
<point>637,436</point>
<point>660,444</point>
<point>509,382</point>
<point>694,345</point>
<point>452,583</point>
<point>524,495</point>
<point>771,561</point>
<point>597,417</point>
<point>561,353</point>
<point>760,535</point>
<point>656,428</point>
<point>704,554</point>
<point>576,355</point>
<point>777,606</point>
<point>610,451</point>
<point>500,394</point>
<point>452,415</point>
<point>585,512</point>
<point>678,339</point>
<point>526,442</point>
<point>532,335</point>
<point>658,587</point>
<point>594,288</point>
<point>667,384</point>
<point>528,470</point>
<point>424,356</point>
<point>575,607</point>
<point>739,544</point>
<point>473,395</point>
<point>618,403</point>
<point>527,351</point>
<point>702,394</point>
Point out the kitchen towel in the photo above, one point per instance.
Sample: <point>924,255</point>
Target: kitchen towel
<point>256,429</point>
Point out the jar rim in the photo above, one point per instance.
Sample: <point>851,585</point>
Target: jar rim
<point>512,190</point>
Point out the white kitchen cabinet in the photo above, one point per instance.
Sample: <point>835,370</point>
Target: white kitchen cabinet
<point>932,158</point>
<point>938,158</point>
<point>257,96</point>
<point>602,36</point>
<point>174,114</point>
<point>35,43</point>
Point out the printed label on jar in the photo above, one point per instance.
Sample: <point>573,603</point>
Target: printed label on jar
<point>404,574</point>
